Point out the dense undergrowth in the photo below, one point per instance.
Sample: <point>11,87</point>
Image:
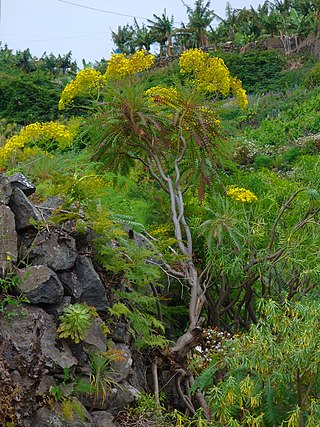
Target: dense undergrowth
<point>256,356</point>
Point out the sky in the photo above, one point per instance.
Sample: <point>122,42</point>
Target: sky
<point>59,26</point>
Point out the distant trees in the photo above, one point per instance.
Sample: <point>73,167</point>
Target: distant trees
<point>279,18</point>
<point>123,38</point>
<point>161,29</point>
<point>30,87</point>
<point>200,17</point>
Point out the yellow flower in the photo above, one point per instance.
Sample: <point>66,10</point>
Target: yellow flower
<point>211,74</point>
<point>86,81</point>
<point>120,65</point>
<point>241,194</point>
<point>35,131</point>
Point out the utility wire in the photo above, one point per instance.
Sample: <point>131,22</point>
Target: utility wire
<point>107,11</point>
<point>102,10</point>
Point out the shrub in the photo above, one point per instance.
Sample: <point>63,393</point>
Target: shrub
<point>312,78</point>
<point>257,70</point>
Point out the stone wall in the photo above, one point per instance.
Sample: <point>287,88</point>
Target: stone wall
<point>54,270</point>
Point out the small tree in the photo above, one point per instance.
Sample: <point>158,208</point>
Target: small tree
<point>200,19</point>
<point>173,132</point>
<point>162,28</point>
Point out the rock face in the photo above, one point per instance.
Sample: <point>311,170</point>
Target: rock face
<point>20,181</point>
<point>25,212</point>
<point>103,419</point>
<point>93,291</point>
<point>46,417</point>
<point>5,190</point>
<point>36,365</point>
<point>40,285</point>
<point>32,329</point>
<point>54,248</point>
<point>8,238</point>
<point>122,366</point>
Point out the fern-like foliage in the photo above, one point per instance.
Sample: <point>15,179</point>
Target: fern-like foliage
<point>270,406</point>
<point>146,329</point>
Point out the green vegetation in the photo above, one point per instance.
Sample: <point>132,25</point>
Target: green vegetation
<point>280,386</point>
<point>75,322</point>
<point>9,299</point>
<point>30,87</point>
<point>281,24</point>
<point>206,215</point>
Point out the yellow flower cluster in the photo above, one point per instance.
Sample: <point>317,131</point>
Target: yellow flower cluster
<point>85,81</point>
<point>90,80</point>
<point>193,61</point>
<point>120,65</point>
<point>161,230</point>
<point>241,194</point>
<point>239,93</point>
<point>167,96</point>
<point>36,131</point>
<point>211,74</point>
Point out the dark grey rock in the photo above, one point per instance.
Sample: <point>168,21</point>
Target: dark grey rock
<point>71,284</point>
<point>55,249</point>
<point>93,290</point>
<point>94,337</point>
<point>8,238</point>
<point>120,333</point>
<point>84,238</point>
<point>122,367</point>
<point>5,189</point>
<point>124,395</point>
<point>25,212</point>
<point>18,180</point>
<point>40,285</point>
<point>46,417</point>
<point>56,310</point>
<point>31,326</point>
<point>118,397</point>
<point>103,419</point>
<point>46,382</point>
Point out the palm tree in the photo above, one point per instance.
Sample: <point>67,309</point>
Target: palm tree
<point>25,60</point>
<point>231,21</point>
<point>66,64</point>
<point>123,39</point>
<point>142,38</point>
<point>49,63</point>
<point>161,28</point>
<point>199,20</point>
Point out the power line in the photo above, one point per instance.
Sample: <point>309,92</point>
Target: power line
<point>102,10</point>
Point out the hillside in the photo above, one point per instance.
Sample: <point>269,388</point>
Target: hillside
<point>161,242</point>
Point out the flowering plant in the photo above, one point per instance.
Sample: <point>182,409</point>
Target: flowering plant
<point>241,194</point>
<point>211,74</point>
<point>34,132</point>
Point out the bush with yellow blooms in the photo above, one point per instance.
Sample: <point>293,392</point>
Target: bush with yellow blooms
<point>35,132</point>
<point>211,74</point>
